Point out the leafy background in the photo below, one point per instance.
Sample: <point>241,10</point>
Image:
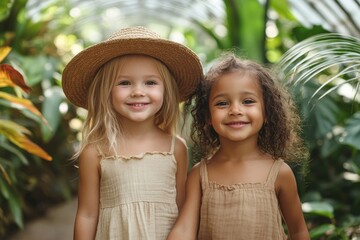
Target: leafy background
<point>38,38</point>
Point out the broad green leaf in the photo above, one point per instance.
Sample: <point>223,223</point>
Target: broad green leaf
<point>351,134</point>
<point>15,133</point>
<point>321,231</point>
<point>319,208</point>
<point>37,68</point>
<point>321,117</point>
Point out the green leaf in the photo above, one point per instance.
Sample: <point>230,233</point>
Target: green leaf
<point>245,36</point>
<point>283,9</point>
<point>318,55</point>
<point>320,117</point>
<point>15,151</point>
<point>319,208</point>
<point>4,189</point>
<point>351,134</point>
<point>50,110</point>
<point>15,209</point>
<point>321,231</point>
<point>36,69</point>
<point>5,8</point>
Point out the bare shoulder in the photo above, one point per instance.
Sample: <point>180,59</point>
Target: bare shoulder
<point>285,171</point>
<point>195,171</point>
<point>89,157</point>
<point>180,143</point>
<point>285,178</point>
<point>180,149</point>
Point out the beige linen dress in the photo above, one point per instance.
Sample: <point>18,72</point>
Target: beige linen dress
<point>138,196</point>
<point>245,211</point>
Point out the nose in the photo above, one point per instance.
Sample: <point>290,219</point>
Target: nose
<point>137,91</point>
<point>235,109</point>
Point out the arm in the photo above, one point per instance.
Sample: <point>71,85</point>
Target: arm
<point>186,226</point>
<point>88,195</point>
<point>181,157</point>
<point>290,204</point>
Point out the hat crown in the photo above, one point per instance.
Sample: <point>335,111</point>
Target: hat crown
<point>134,32</point>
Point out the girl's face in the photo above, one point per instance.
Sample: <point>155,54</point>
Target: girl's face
<point>138,92</point>
<point>237,107</point>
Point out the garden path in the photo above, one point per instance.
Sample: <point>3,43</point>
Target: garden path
<point>56,224</point>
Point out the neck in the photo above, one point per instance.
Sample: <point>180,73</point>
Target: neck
<point>239,151</point>
<point>131,129</point>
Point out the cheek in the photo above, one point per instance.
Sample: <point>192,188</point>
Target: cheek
<point>215,117</point>
<point>159,96</point>
<point>117,95</point>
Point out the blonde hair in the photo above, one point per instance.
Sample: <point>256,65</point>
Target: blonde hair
<point>102,127</point>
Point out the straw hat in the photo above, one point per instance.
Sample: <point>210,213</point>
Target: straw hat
<point>180,60</point>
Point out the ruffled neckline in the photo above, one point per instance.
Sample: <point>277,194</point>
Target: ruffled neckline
<point>235,186</point>
<point>138,156</point>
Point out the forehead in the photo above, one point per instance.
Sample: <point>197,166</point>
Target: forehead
<point>236,82</point>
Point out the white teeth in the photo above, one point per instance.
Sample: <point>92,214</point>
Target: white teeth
<point>138,104</point>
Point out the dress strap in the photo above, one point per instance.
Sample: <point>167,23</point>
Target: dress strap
<point>100,153</point>
<point>203,174</point>
<point>172,144</point>
<point>274,172</point>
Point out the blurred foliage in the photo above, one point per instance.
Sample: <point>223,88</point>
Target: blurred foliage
<point>11,131</point>
<point>41,46</point>
<point>29,185</point>
<point>323,73</point>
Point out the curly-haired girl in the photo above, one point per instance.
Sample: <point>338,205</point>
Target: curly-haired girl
<point>245,128</point>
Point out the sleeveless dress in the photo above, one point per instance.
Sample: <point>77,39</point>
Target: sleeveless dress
<point>244,211</point>
<point>137,196</point>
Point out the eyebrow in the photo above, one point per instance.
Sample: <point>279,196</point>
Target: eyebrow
<point>244,92</point>
<point>144,77</point>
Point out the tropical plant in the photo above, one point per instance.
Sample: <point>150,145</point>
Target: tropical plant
<point>15,133</point>
<point>323,73</point>
<point>28,185</point>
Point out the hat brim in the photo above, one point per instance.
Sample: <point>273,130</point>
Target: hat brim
<point>81,70</point>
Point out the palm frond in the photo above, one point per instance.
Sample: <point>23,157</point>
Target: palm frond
<point>333,55</point>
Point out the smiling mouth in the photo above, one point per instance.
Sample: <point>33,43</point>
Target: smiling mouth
<point>236,124</point>
<point>137,104</point>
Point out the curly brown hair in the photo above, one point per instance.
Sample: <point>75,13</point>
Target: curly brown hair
<point>280,134</point>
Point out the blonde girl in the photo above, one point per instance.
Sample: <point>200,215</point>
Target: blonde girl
<point>132,166</point>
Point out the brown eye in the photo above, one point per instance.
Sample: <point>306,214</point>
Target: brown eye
<point>248,101</point>
<point>151,82</point>
<point>221,104</point>
<point>124,83</point>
